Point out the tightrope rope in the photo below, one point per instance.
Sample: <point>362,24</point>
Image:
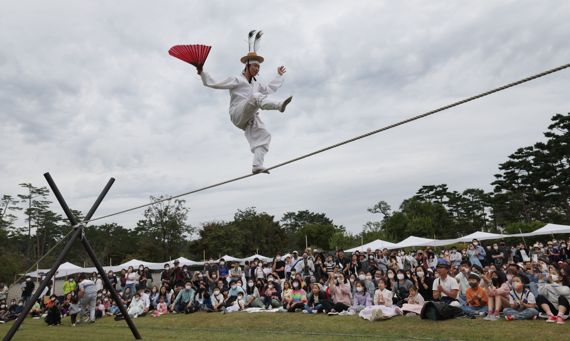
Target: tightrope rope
<point>373,132</point>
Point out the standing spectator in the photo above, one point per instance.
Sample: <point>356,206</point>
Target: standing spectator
<point>307,267</point>
<point>27,289</point>
<point>279,266</point>
<point>113,279</point>
<point>455,257</point>
<point>235,272</point>
<point>497,255</point>
<point>479,251</point>
<point>223,270</point>
<point>165,276</point>
<point>69,286</point>
<point>87,295</point>
<point>131,280</point>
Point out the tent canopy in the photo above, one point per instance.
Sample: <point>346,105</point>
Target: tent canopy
<point>373,245</point>
<point>549,229</point>
<point>480,236</point>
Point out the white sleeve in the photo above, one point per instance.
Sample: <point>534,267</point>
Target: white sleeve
<point>272,86</point>
<point>228,83</point>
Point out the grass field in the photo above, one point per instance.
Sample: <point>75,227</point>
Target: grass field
<point>287,326</point>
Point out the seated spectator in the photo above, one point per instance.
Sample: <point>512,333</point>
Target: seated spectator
<point>161,308</point>
<point>522,304</point>
<point>286,293</point>
<point>252,296</point>
<point>4,313</point>
<point>475,296</point>
<point>36,311</point>
<point>235,289</point>
<point>217,299</point>
<point>423,282</point>
<point>445,288</point>
<point>554,296</point>
<point>316,300</point>
<point>270,296</point>
<point>237,305</point>
<point>165,294</point>
<point>361,298</point>
<point>298,297</point>
<point>340,294</point>
<point>414,302</point>
<point>497,290</point>
<point>383,296</point>
<point>184,301</point>
<point>136,308</point>
<point>401,288</point>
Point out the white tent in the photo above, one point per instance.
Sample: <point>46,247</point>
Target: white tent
<point>228,258</point>
<point>549,229</point>
<point>260,257</point>
<point>373,245</point>
<point>417,241</point>
<point>480,236</point>
<point>185,261</point>
<point>64,269</point>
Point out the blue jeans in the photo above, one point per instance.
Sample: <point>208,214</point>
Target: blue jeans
<point>318,307</point>
<point>474,310</point>
<point>526,314</point>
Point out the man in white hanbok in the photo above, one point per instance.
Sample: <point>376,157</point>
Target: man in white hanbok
<point>247,97</point>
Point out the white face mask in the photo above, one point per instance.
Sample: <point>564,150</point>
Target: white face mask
<point>188,287</point>
<point>216,292</point>
<point>368,278</point>
<point>361,277</point>
<point>390,276</point>
<point>420,274</point>
<point>359,289</point>
<point>400,276</point>
<point>250,284</point>
<point>233,286</point>
<point>295,285</point>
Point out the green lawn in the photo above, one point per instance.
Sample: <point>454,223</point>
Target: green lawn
<point>288,326</point>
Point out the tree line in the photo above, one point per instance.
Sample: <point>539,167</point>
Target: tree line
<point>531,187</point>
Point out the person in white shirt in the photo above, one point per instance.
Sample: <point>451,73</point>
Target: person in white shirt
<point>247,97</point>
<point>445,288</point>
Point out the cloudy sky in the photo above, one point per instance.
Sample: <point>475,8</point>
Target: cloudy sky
<point>88,91</point>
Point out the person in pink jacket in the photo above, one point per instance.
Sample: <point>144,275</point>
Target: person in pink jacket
<point>497,288</point>
<point>161,308</point>
<point>340,294</point>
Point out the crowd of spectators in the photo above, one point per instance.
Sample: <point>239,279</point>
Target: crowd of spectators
<point>514,282</point>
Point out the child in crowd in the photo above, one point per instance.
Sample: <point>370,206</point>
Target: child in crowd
<point>53,317</point>
<point>161,308</point>
<point>383,296</point>
<point>476,296</point>
<point>271,296</point>
<point>415,302</point>
<point>237,305</point>
<point>522,304</point>
<point>74,309</point>
<point>298,297</point>
<point>497,290</point>
<point>361,298</point>
<point>217,299</point>
<point>136,307</point>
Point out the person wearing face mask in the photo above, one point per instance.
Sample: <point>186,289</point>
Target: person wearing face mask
<point>391,275</point>
<point>495,283</point>
<point>423,283</point>
<point>252,295</point>
<point>165,275</point>
<point>271,295</point>
<point>401,288</point>
<point>455,257</point>
<point>136,308</point>
<point>462,280</point>
<point>223,271</point>
<point>340,294</point>
<point>237,305</point>
<point>297,297</point>
<point>369,283</point>
<point>554,297</point>
<point>497,255</point>
<point>184,301</point>
<point>27,289</point>
<point>522,304</point>
<point>475,297</point>
<point>235,289</point>
<point>88,297</point>
<point>217,300</point>
<point>69,286</point>
<point>479,251</point>
<point>360,300</point>
<point>279,266</point>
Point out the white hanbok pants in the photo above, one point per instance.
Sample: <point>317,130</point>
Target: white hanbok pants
<point>245,116</point>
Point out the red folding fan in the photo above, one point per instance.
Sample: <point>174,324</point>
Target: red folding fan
<point>193,54</point>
